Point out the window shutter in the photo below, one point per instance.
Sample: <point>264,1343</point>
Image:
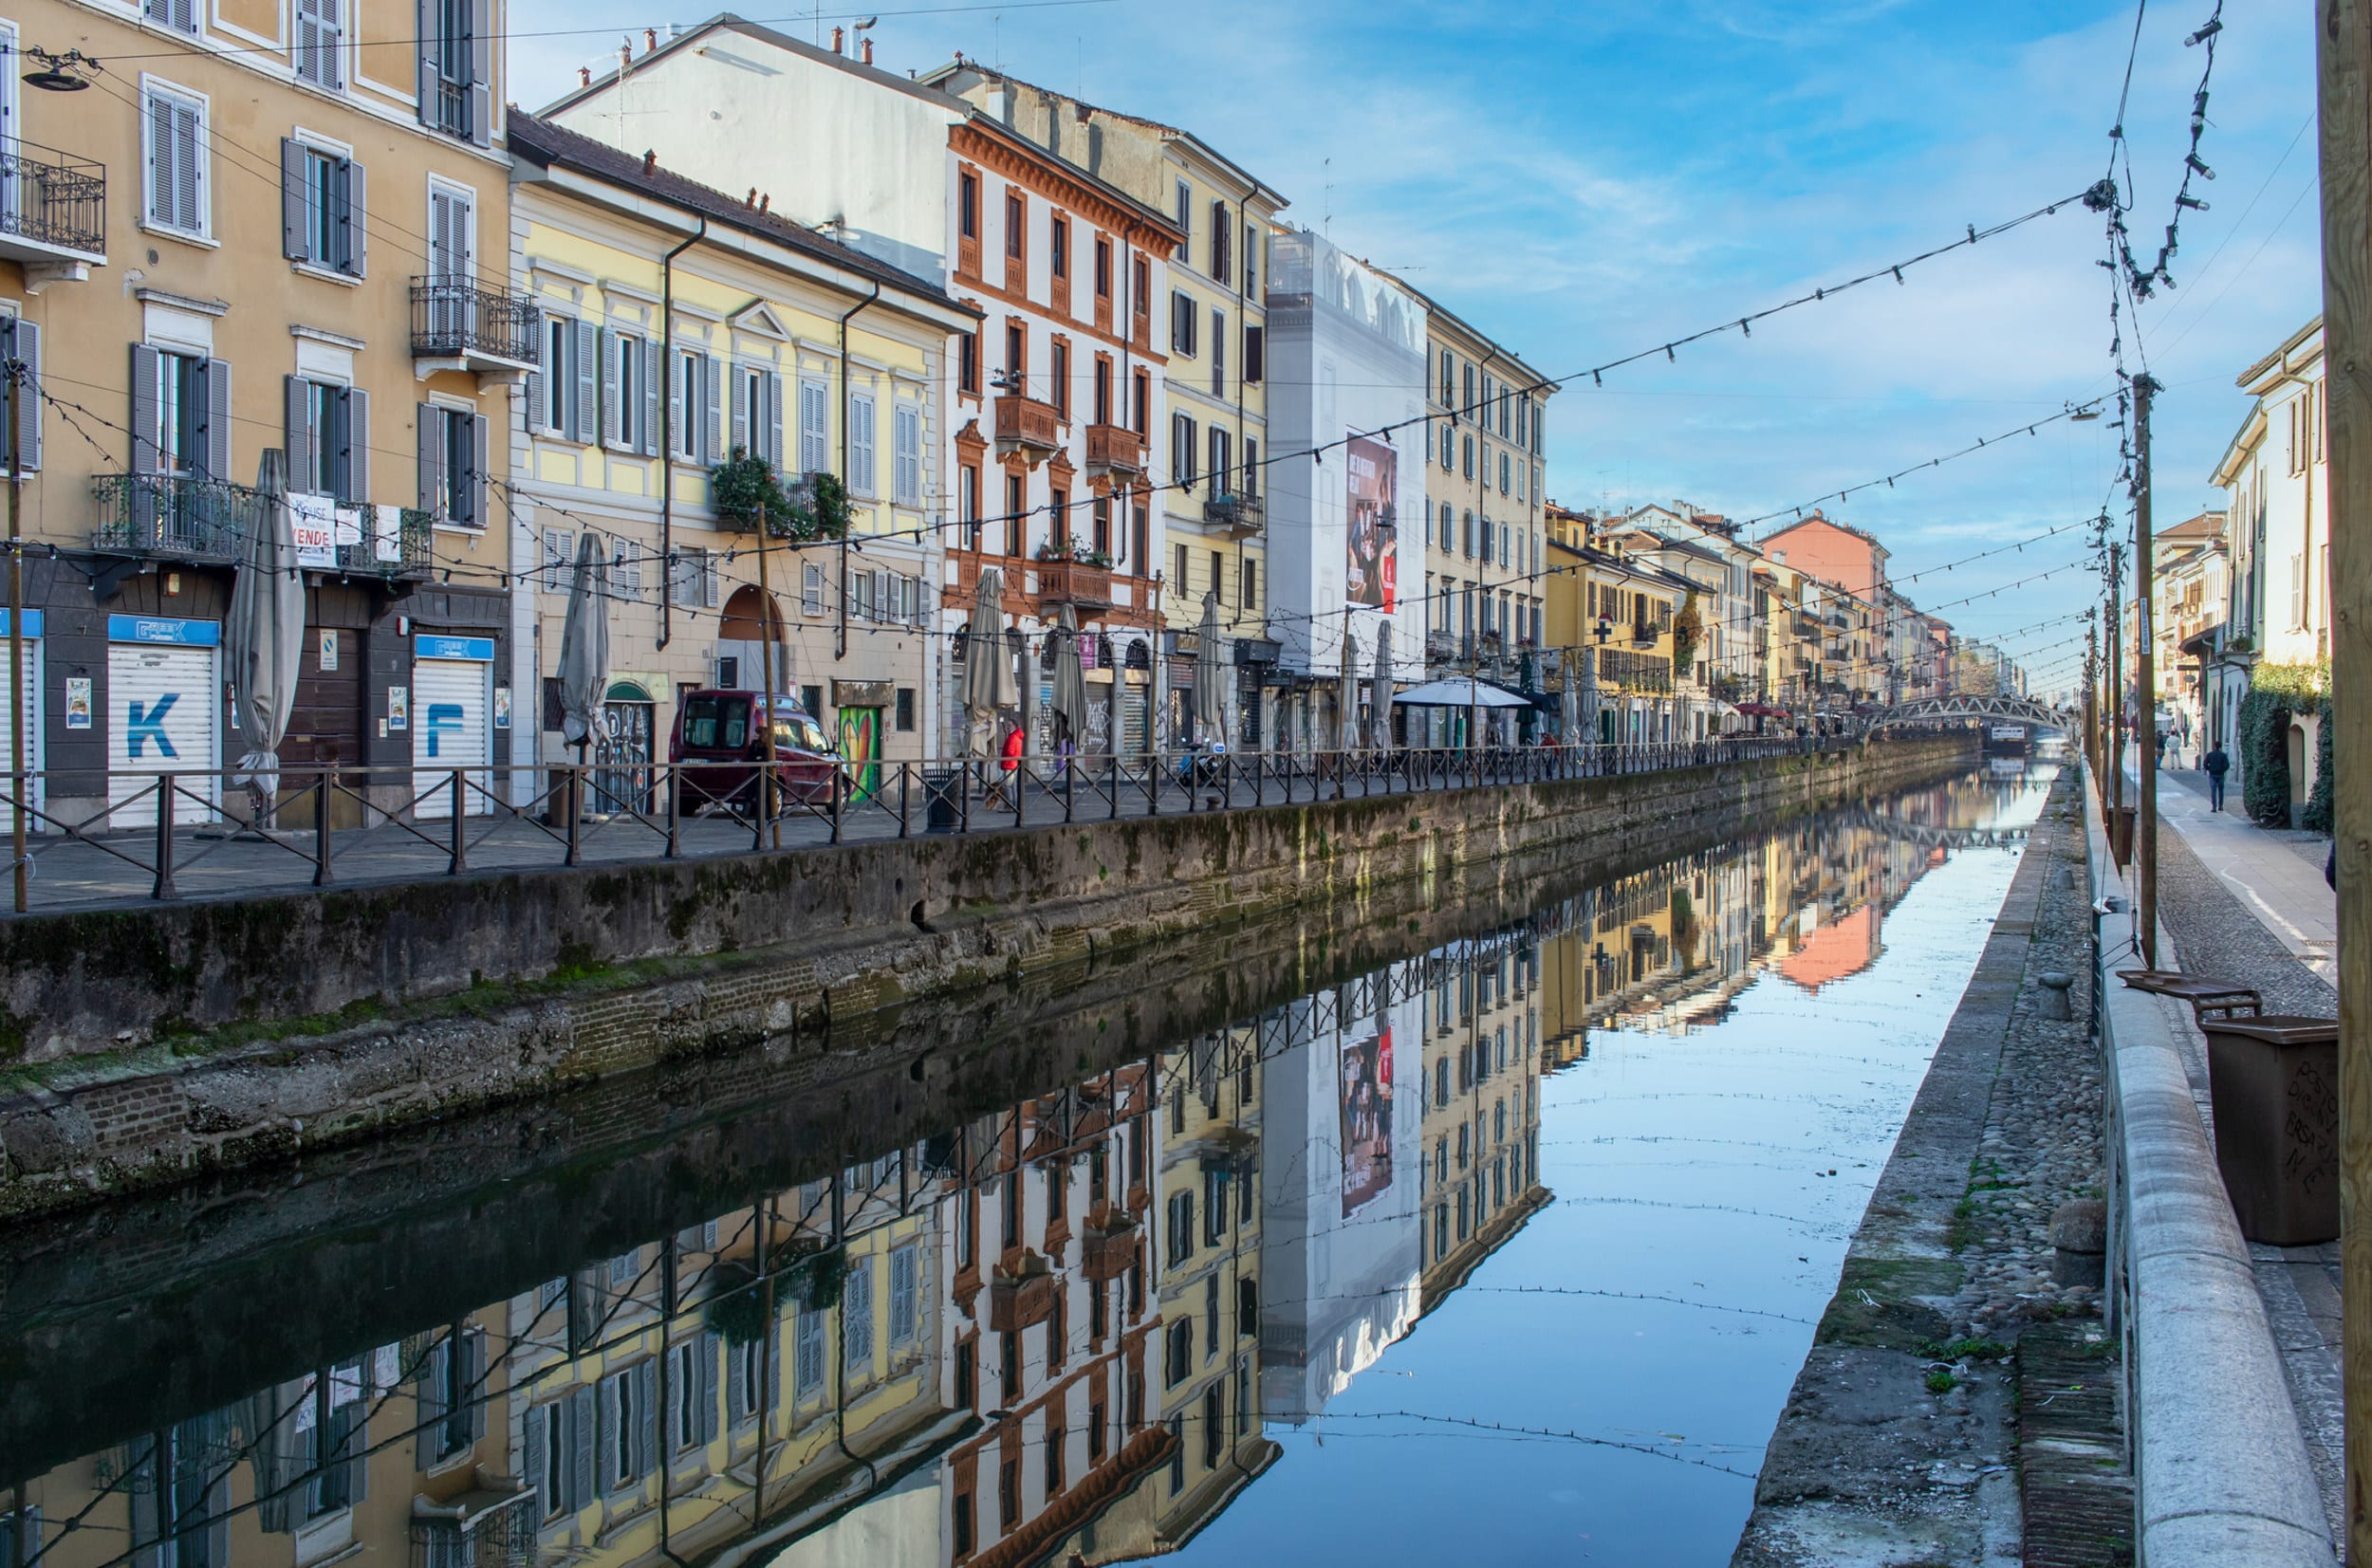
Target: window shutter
<point>611,347</point>
<point>861,467</point>
<point>304,461</point>
<point>147,371</point>
<point>585,411</point>
<point>606,1440</point>
<point>217,432</point>
<point>296,240</point>
<point>482,72</point>
<point>582,1427</point>
<point>537,1435</point>
<point>708,1353</point>
<point>424,28</point>
<point>428,420</point>
<point>23,345</point>
<point>646,1430</point>
<point>712,427</point>
<point>710,589</point>
<point>187,208</point>
<point>654,370</point>
<point>545,374</point>
<point>742,440</point>
<point>774,419</point>
<point>354,221</point>
<point>678,433</point>
<point>1254,364</point>
<point>481,482</point>
<point>429,1386</point>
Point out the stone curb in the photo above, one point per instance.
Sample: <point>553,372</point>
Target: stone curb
<point>2221,1472</point>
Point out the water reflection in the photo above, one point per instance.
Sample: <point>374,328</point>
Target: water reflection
<point>1077,1330</point>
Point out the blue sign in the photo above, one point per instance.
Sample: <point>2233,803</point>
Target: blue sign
<point>441,718</point>
<point>479,649</point>
<point>186,634</point>
<point>143,726</point>
<point>32,624</point>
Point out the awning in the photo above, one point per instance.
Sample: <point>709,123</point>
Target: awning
<point>1463,692</point>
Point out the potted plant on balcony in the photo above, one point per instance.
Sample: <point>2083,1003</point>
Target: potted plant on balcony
<point>743,488</point>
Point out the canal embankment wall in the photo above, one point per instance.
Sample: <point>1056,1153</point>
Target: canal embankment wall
<point>147,1044</point>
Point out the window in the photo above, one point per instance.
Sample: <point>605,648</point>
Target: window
<point>1222,236</point>
<point>1218,592</point>
<point>1449,450</point>
<point>863,475</point>
<point>1469,445</point>
<point>21,341</point>
<point>968,503</point>
<point>1057,1441</point>
<point>756,414</point>
<point>1251,261</point>
<point>1017,513</point>
<point>1177,1358</point>
<point>1058,515</point>
<point>328,439</point>
<point>180,15</point>
<point>968,361</point>
<point>1016,358</point>
<point>1504,462</point>
<point>1213,1423</point>
<point>1252,465</point>
<point>1467,404</point>
<point>1251,589</point>
<point>629,1427</point>
<point>453,464</point>
<point>1185,211</point>
<point>1142,276</point>
<point>1466,535</point>
<point>1059,377</point>
<point>1214,1214</point>
<point>1182,450</point>
<point>695,396</point>
<point>694,581</point>
<point>907,480</point>
<point>1181,1211</point>
<point>968,206</point>
<point>1058,247</point>
<point>174,142</point>
<point>554,403</point>
<point>1182,323</point>
<point>1016,227</point>
<point>807,1354</point>
<point>962,1524</point>
<point>1222,462</point>
<point>457,87</point>
<point>1218,353</point>
<point>1449,379</point>
<point>320,40</point>
<point>1255,350</point>
<point>692,1384</point>
<point>1103,267</point>
<point>320,207</point>
<point>628,392</point>
<point>815,452</point>
<point>1142,421</point>
<point>905,719</point>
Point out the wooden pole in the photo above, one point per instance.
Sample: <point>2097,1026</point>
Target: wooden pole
<point>2344,60</point>
<point>765,659</point>
<point>2113,775</point>
<point>2144,678</point>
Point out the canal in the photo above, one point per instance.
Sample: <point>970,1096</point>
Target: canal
<point>1514,1244</point>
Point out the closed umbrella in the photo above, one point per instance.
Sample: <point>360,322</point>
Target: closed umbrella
<point>987,684</point>
<point>1209,689</point>
<point>1346,725</point>
<point>585,645</point>
<point>1379,695</point>
<point>1070,684</point>
<point>265,640</point>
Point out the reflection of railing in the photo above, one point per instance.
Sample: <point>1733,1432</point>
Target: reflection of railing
<point>179,515</point>
<point>52,198</point>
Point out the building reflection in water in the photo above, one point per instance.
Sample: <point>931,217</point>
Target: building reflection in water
<point>1056,1334</point>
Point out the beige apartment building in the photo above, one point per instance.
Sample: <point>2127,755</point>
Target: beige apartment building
<point>1486,565</point>
<point>1211,499</point>
<point>260,226</point>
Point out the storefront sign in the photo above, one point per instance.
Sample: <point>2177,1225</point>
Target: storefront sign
<point>187,633</point>
<point>428,646</point>
<point>862,693</point>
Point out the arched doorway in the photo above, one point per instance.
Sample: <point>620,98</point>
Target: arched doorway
<point>741,642</point>
<point>625,749</point>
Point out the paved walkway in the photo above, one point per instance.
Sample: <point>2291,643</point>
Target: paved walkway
<point>2276,874</point>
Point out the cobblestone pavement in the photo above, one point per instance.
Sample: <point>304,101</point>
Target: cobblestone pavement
<point>2042,1140</point>
<point>2217,935</point>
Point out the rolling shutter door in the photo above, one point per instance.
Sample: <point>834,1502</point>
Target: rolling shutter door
<point>34,749</point>
<point>164,701</point>
<point>451,727</point>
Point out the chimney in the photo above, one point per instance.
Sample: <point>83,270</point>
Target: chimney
<point>838,35</point>
<point>584,76</point>
<point>765,201</point>
<point>650,163</point>
<point>752,199</point>
<point>868,51</point>
<point>650,39</point>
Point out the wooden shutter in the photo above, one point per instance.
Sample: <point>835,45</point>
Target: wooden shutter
<point>585,411</point>
<point>304,455</point>
<point>612,347</point>
<point>428,425</point>
<point>22,343</point>
<point>217,429</point>
<point>582,1428</point>
<point>712,427</point>
<point>357,473</point>
<point>296,238</point>
<point>678,433</point>
<point>188,209</point>
<point>481,477</point>
<point>543,375</point>
<point>774,419</point>
<point>147,372</point>
<point>424,28</point>
<point>654,369</point>
<point>353,220</point>
<point>862,472</point>
<point>741,412</point>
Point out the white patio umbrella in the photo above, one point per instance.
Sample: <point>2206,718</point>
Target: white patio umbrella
<point>1210,676</point>
<point>1070,682</point>
<point>585,645</point>
<point>1380,694</point>
<point>265,639</point>
<point>1459,691</point>
<point>988,683</point>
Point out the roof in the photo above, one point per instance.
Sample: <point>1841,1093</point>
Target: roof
<point>2280,355</point>
<point>540,141</point>
<point>728,21</point>
<point>2204,527</point>
<point>1819,516</point>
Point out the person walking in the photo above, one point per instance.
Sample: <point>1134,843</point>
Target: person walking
<point>2218,764</point>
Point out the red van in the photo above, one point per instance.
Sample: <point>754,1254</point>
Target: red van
<point>722,750</point>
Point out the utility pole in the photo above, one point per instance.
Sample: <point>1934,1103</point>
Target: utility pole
<point>2114,783</point>
<point>2343,62</point>
<point>2145,676</point>
<point>16,369</point>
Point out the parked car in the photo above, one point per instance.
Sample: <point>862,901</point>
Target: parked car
<point>720,743</point>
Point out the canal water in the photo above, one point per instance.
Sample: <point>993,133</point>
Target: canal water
<point>1509,1247</point>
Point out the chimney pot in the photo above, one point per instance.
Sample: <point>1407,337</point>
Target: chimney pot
<point>868,51</point>
<point>751,199</point>
<point>650,162</point>
<point>650,39</point>
<point>838,35</point>
<point>584,76</point>
<point>765,202</point>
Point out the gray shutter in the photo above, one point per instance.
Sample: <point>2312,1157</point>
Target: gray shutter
<point>427,418</point>
<point>482,71</point>
<point>357,470</point>
<point>774,419</point>
<point>218,418</point>
<point>303,463</point>
<point>354,220</point>
<point>710,1352</point>
<point>584,410</point>
<point>545,374</point>
<point>429,1386</point>
<point>538,1433</point>
<point>581,1430</point>
<point>678,396</point>
<point>481,482</point>
<point>147,370</point>
<point>713,428</point>
<point>295,236</point>
<point>424,28</point>
<point>653,372</point>
<point>646,1429</point>
<point>473,1381</point>
<point>24,347</point>
<point>605,1442</point>
<point>608,347</point>
<point>742,411</point>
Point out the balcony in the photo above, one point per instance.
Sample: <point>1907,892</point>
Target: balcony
<point>1240,515</point>
<point>1074,583</point>
<point>459,325</point>
<point>1440,647</point>
<point>53,213</point>
<point>1027,426</point>
<point>1108,1247</point>
<point>174,517</point>
<point>1021,1300</point>
<point>1111,449</point>
<point>1643,637</point>
<point>406,557</point>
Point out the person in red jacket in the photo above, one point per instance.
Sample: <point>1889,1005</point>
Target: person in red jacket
<point>1000,791</point>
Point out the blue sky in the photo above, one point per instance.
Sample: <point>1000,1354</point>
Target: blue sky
<point>1583,182</point>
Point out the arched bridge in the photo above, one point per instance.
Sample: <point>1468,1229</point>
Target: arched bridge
<point>1929,836</point>
<point>1967,706</point>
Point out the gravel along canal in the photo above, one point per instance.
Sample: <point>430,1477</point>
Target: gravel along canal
<point>1512,1245</point>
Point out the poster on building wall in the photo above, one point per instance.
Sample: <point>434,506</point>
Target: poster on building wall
<point>1372,576</point>
<point>313,519</point>
<point>1367,1121</point>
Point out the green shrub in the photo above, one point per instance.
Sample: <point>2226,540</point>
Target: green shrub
<point>2276,691</point>
<point>2317,814</point>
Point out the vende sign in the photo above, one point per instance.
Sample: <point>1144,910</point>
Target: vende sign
<point>314,520</point>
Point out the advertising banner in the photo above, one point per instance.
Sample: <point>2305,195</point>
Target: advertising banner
<point>1367,1121</point>
<point>1372,576</point>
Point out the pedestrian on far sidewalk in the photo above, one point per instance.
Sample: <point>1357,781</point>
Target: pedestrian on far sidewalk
<point>2218,764</point>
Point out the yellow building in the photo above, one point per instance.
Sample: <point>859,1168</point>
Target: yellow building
<point>266,228</point>
<point>680,321</point>
<point>1479,1148</point>
<point>1615,617</point>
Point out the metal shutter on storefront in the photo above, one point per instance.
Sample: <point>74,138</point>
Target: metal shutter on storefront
<point>34,749</point>
<point>163,712</point>
<point>452,703</point>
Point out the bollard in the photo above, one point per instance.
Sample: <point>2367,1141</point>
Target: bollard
<point>2055,1005</point>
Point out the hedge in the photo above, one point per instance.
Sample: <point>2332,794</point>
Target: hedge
<point>2276,691</point>
<point>2317,814</point>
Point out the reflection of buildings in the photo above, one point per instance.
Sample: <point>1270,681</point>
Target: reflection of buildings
<point>1478,1149</point>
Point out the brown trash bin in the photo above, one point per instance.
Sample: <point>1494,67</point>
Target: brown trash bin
<point>2208,999</point>
<point>2275,1085</point>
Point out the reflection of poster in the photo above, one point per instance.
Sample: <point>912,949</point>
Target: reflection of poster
<point>78,702</point>
<point>1373,568</point>
<point>1367,1121</point>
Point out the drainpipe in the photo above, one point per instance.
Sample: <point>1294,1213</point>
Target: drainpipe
<point>667,435</point>
<point>840,1230</point>
<point>840,636</point>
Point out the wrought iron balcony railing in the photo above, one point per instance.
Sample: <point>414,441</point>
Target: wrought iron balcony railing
<point>1242,514</point>
<point>54,199</point>
<point>455,318</point>
<point>182,516</point>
